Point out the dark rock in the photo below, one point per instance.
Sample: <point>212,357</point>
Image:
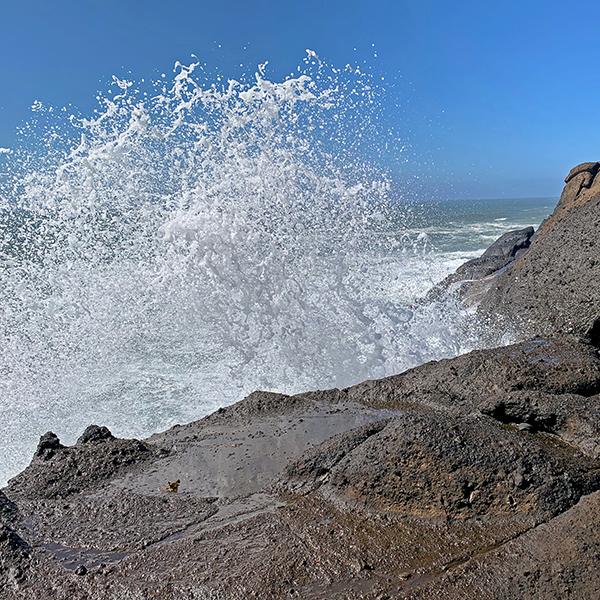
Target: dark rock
<point>551,386</point>
<point>557,559</point>
<point>315,465</point>
<point>80,570</point>
<point>14,553</point>
<point>257,404</point>
<point>546,366</point>
<point>59,471</point>
<point>94,433</point>
<point>504,252</point>
<point>505,248</point>
<point>48,445</point>
<point>430,464</point>
<point>8,510</point>
<point>574,418</point>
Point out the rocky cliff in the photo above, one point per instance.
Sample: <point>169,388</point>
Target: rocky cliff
<point>554,288</point>
<point>475,477</point>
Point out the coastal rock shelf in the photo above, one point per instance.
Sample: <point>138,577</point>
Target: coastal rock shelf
<point>473,477</point>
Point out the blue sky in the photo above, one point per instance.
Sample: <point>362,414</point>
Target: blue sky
<point>496,99</point>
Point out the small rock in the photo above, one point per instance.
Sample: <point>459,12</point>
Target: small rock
<point>15,573</point>
<point>81,570</point>
<point>48,445</point>
<point>95,433</point>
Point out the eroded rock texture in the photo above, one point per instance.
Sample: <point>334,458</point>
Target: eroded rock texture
<point>554,288</point>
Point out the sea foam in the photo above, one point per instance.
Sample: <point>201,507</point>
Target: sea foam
<point>186,245</point>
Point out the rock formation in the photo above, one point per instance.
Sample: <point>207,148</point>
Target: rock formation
<point>476,477</point>
<point>471,280</point>
<point>554,288</point>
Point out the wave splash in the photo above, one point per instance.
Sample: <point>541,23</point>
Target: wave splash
<point>181,248</point>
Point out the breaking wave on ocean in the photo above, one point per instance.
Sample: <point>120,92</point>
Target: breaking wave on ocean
<point>195,240</point>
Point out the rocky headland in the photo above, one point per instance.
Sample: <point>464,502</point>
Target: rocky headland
<point>474,477</point>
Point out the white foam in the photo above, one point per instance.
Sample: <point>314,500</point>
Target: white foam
<point>183,250</point>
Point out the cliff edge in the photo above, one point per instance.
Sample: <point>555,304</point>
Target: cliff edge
<point>553,289</point>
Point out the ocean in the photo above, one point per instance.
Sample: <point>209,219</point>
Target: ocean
<point>183,247</point>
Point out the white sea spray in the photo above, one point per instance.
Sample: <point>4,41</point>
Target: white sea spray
<point>178,249</point>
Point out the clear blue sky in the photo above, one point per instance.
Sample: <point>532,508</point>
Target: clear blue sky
<point>500,97</point>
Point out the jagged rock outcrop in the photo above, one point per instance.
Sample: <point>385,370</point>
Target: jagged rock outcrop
<point>473,279</point>
<point>58,471</point>
<point>553,289</point>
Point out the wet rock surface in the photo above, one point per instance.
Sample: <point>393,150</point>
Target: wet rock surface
<point>474,477</point>
<point>471,280</point>
<point>430,464</point>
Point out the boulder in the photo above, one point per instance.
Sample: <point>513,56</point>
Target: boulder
<point>433,464</point>
<point>48,446</point>
<point>94,433</point>
<point>474,277</point>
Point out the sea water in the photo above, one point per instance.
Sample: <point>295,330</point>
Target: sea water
<point>186,245</point>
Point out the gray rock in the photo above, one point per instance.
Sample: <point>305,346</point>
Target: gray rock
<point>14,554</point>
<point>504,252</point>
<point>312,469</point>
<point>554,289</point>
<point>48,445</point>
<point>59,471</point>
<point>428,464</point>
<point>8,510</point>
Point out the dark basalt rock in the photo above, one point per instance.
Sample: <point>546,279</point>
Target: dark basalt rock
<point>556,560</point>
<point>543,366</point>
<point>59,471</point>
<point>94,433</point>
<point>8,510</point>
<point>315,466</point>
<point>431,464</point>
<point>15,556</point>
<point>466,282</point>
<point>48,445</point>
<point>257,404</point>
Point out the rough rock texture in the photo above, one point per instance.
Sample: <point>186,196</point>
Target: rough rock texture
<point>57,471</point>
<point>430,464</point>
<point>554,288</point>
<point>476,477</point>
<point>9,512</point>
